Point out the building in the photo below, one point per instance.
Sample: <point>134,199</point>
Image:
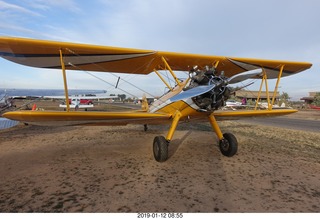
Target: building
<point>308,100</point>
<point>253,95</point>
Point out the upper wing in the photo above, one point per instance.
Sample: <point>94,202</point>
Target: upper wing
<point>45,54</point>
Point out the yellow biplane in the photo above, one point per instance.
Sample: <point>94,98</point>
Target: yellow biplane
<point>195,99</point>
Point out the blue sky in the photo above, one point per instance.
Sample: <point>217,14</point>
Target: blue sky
<point>270,29</point>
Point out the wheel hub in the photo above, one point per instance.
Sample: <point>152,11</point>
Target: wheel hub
<point>224,144</point>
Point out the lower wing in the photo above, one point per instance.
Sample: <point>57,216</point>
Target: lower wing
<point>62,118</point>
<point>236,115</point>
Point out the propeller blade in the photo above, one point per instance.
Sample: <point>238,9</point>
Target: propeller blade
<point>192,92</point>
<point>244,76</point>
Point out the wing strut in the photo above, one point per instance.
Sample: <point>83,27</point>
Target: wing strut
<point>216,64</point>
<point>170,70</point>
<point>162,79</point>
<point>267,91</point>
<point>265,79</point>
<point>277,84</point>
<point>64,81</point>
<point>167,66</point>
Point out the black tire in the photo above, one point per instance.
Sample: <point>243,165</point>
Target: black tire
<point>160,149</point>
<point>228,145</point>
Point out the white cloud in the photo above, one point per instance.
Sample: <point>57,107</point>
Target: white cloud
<point>271,29</point>
<point>11,8</point>
<point>65,5</point>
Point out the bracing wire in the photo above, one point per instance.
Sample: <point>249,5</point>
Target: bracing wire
<point>113,74</point>
<point>89,73</point>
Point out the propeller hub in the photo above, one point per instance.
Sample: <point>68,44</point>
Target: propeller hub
<point>214,88</point>
<point>208,90</point>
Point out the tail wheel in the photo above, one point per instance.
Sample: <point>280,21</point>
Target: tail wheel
<point>160,149</point>
<point>228,145</point>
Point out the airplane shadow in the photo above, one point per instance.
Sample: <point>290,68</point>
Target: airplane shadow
<point>176,143</point>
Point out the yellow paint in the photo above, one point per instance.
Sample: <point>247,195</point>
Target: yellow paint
<point>172,108</point>
<point>162,79</point>
<point>215,126</point>
<point>65,81</point>
<point>267,91</point>
<point>216,64</point>
<point>252,113</point>
<point>277,84</point>
<point>140,62</point>
<point>170,70</point>
<point>144,64</point>
<point>265,79</point>
<point>259,94</point>
<point>101,118</point>
<point>173,126</point>
<point>144,104</point>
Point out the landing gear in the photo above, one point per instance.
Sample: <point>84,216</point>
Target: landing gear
<point>228,145</point>
<point>160,143</point>
<point>160,148</point>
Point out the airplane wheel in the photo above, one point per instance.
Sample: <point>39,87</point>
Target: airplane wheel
<point>228,145</point>
<point>160,149</point>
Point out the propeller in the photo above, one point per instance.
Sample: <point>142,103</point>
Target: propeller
<point>202,89</point>
<point>244,76</point>
<point>193,92</point>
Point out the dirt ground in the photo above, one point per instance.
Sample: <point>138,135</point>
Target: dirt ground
<point>112,169</point>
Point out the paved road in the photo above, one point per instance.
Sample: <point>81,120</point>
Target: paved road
<point>285,122</point>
